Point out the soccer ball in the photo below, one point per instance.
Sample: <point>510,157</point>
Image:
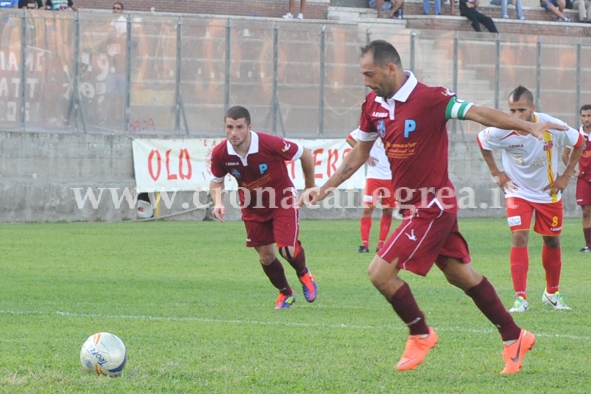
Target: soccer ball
<point>103,353</point>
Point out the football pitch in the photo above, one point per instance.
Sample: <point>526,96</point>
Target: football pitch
<point>196,313</point>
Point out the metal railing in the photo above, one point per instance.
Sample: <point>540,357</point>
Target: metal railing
<point>171,75</point>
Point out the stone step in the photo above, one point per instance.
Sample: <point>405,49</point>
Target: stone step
<point>538,21</point>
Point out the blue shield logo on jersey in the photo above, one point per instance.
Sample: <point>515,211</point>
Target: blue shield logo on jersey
<point>235,173</point>
<point>409,126</point>
<point>381,128</point>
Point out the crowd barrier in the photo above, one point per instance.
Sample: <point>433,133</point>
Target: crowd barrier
<point>175,75</point>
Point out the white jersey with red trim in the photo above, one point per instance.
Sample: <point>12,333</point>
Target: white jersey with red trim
<point>531,163</point>
<point>381,169</point>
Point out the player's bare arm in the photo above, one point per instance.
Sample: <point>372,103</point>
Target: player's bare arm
<point>350,164</point>
<point>565,158</point>
<point>307,162</point>
<point>216,191</point>
<point>493,117</point>
<point>500,177</point>
<point>371,161</point>
<point>562,180</point>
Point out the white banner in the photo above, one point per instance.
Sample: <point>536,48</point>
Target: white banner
<point>184,164</point>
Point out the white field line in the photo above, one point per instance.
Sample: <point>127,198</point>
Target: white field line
<point>279,323</point>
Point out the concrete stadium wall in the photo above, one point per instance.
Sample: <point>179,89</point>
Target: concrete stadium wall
<point>315,9</point>
<point>40,174</point>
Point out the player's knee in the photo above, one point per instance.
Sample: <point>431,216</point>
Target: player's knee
<point>287,252</point>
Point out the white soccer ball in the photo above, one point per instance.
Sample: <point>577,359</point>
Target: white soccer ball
<point>103,353</point>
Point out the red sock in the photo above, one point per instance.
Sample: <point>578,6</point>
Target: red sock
<point>385,224</point>
<point>587,234</point>
<point>365,230</point>
<point>519,266</point>
<point>276,275</point>
<point>486,299</point>
<point>406,307</point>
<point>552,262</point>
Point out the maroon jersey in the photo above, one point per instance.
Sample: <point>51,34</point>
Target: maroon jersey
<point>585,160</point>
<point>415,140</point>
<point>263,181</point>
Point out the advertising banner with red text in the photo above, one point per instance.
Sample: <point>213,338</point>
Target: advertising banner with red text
<point>184,164</point>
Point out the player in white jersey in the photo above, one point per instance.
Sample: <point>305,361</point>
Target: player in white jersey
<point>532,186</point>
<point>378,184</point>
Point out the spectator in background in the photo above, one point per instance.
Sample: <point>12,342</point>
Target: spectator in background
<point>584,7</point>
<point>468,9</point>
<point>24,3</point>
<point>556,7</point>
<point>120,23</point>
<point>437,7</point>
<point>394,7</point>
<point>289,15</point>
<point>8,3</point>
<point>518,8</point>
<point>54,5</point>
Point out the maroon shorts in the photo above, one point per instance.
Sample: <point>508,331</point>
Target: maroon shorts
<point>426,237</point>
<point>583,192</point>
<point>548,216</point>
<point>282,229</point>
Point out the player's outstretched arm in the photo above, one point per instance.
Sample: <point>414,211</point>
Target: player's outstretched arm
<point>216,191</point>
<point>493,117</point>
<point>351,163</point>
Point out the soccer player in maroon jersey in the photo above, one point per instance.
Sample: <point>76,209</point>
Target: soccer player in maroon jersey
<point>267,198</point>
<point>411,118</point>
<point>583,192</point>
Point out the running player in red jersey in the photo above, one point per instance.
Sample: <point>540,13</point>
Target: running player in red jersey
<point>411,118</point>
<point>583,192</point>
<point>267,198</point>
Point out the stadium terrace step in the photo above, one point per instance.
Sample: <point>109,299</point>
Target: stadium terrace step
<point>538,22</point>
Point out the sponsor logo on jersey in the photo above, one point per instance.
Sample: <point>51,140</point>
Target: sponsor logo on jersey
<point>514,221</point>
<point>516,146</point>
<point>380,114</point>
<point>286,147</point>
<point>232,163</point>
<point>555,228</point>
<point>548,146</point>
<point>236,174</point>
<point>541,162</point>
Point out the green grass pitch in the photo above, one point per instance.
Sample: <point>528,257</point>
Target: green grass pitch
<point>196,313</point>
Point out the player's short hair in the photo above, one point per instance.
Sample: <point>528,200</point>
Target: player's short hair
<point>585,107</point>
<point>383,53</point>
<point>238,112</point>
<point>519,92</point>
